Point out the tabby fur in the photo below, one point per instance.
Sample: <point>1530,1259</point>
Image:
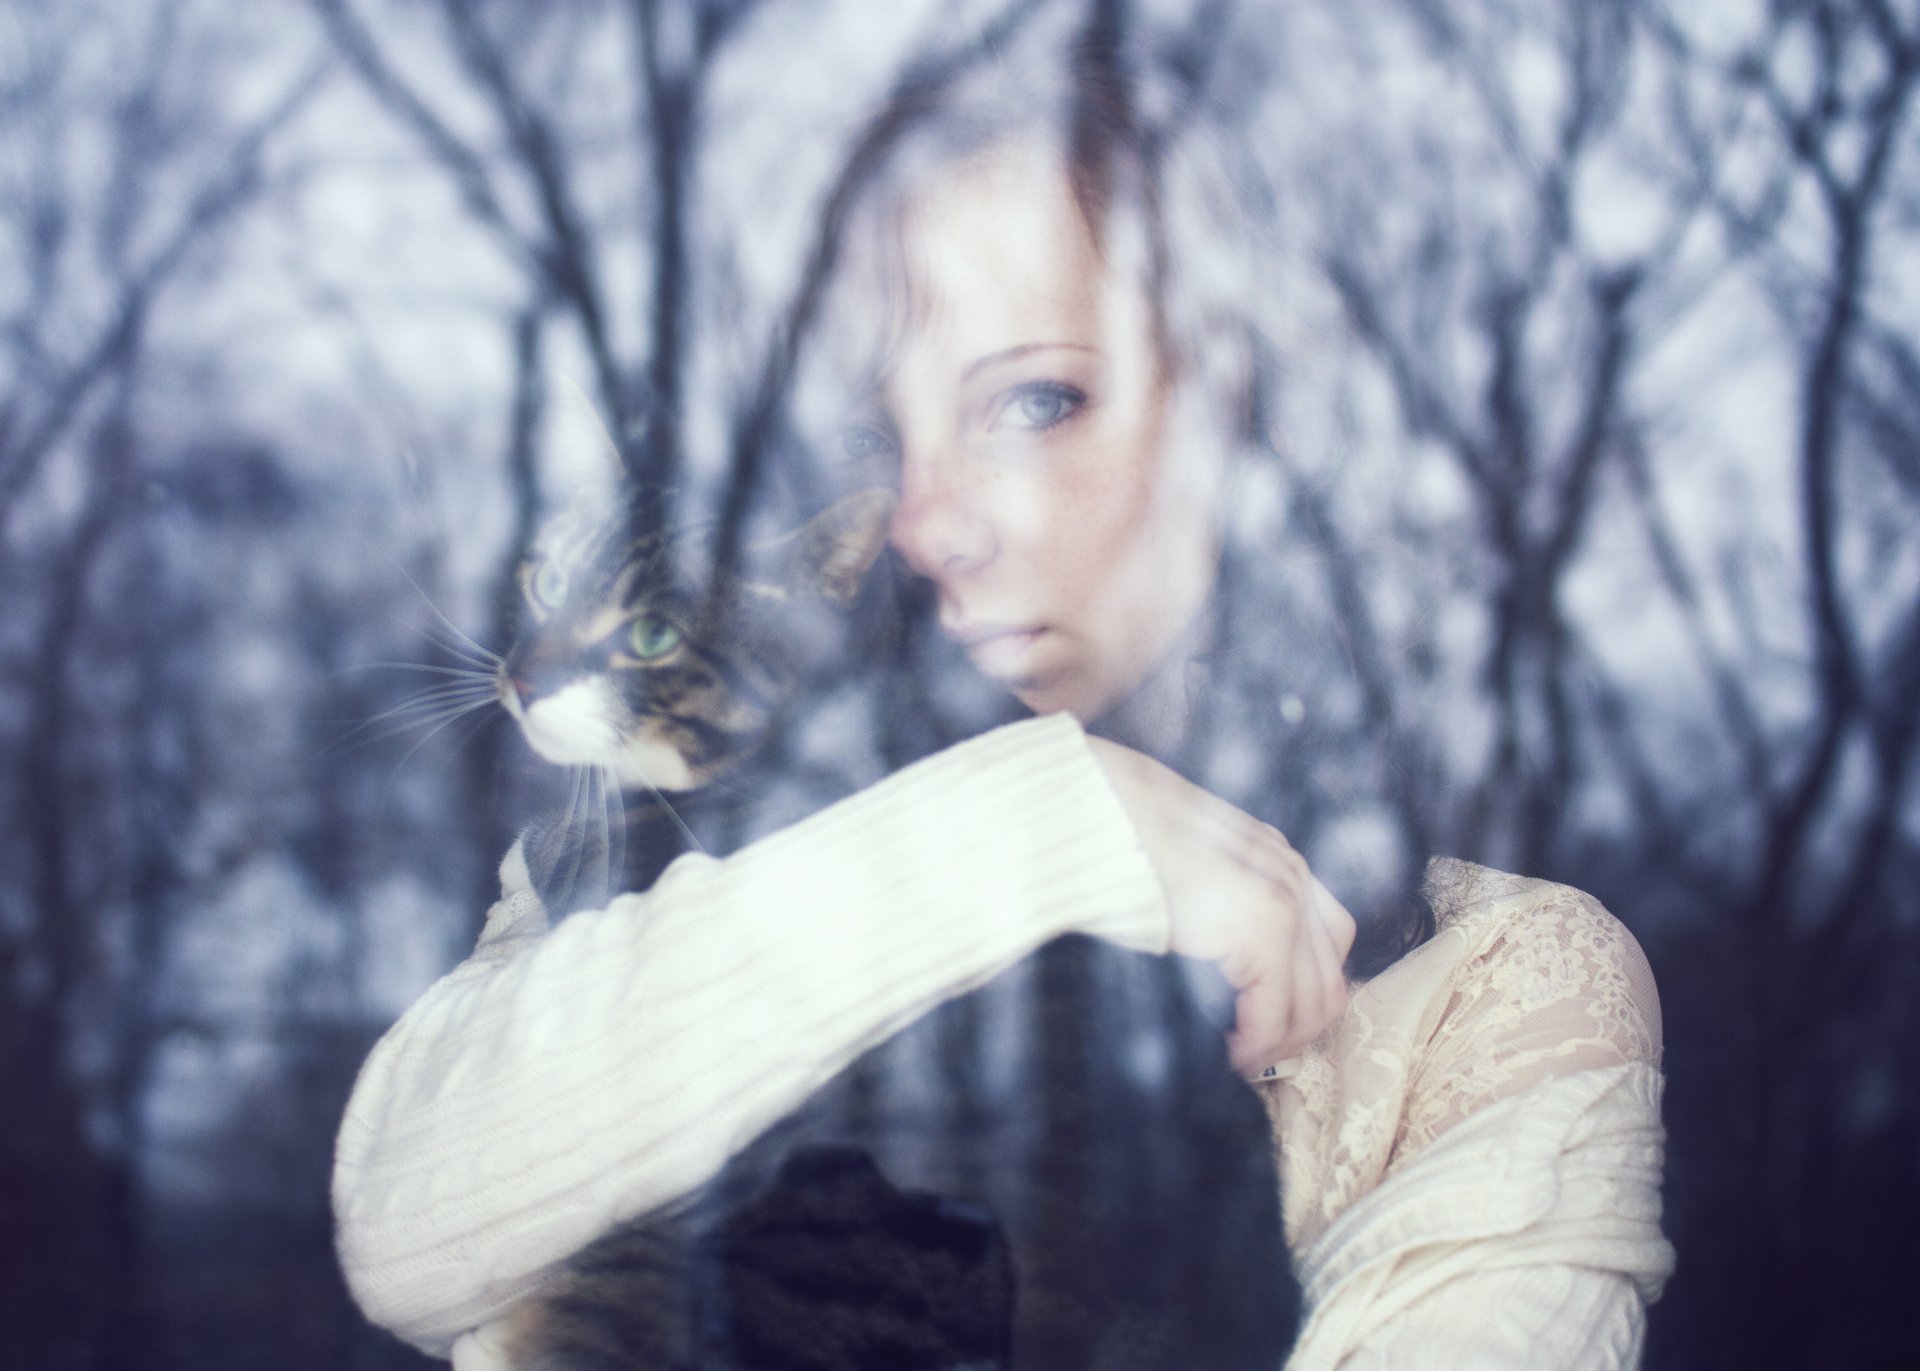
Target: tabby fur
<point>643,661</point>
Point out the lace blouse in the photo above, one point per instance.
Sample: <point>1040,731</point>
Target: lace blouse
<point>1471,1157</point>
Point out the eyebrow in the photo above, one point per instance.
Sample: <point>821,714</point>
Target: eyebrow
<point>1014,353</point>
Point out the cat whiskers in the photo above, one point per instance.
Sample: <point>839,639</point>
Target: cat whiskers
<point>569,881</point>
<point>613,823</point>
<point>469,689</point>
<point>437,708</point>
<point>595,805</point>
<point>442,716</point>
<point>714,783</point>
<point>463,648</point>
<point>447,634</point>
<point>474,683</point>
<point>477,673</point>
<point>661,797</point>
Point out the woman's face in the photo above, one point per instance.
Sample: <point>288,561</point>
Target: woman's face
<point>1031,419</point>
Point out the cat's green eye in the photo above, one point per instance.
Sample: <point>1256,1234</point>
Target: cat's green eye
<point>548,585</point>
<point>653,637</point>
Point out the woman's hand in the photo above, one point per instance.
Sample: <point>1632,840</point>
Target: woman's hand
<point>1241,897</point>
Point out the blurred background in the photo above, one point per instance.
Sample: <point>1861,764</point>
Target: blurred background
<point>1602,432</point>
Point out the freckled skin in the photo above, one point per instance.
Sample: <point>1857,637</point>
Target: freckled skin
<point>1094,527</point>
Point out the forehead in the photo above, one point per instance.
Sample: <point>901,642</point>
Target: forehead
<point>999,254</point>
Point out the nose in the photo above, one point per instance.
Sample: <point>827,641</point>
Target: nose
<point>943,525</point>
<point>538,669</point>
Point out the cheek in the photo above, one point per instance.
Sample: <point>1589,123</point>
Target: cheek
<point>1107,513</point>
<point>1136,559</point>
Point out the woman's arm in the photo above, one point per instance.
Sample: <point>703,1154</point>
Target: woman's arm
<point>1517,1222</point>
<point>558,1082</point>
<point>1567,1318</point>
<point>1239,895</point>
<point>1528,1235</point>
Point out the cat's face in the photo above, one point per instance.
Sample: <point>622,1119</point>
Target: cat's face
<point>631,658</point>
<point>631,662</point>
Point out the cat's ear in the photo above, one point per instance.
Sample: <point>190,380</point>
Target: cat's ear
<point>584,463</point>
<point>830,554</point>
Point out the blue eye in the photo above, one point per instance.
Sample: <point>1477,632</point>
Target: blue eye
<point>1040,405</point>
<point>653,637</point>
<point>865,443</point>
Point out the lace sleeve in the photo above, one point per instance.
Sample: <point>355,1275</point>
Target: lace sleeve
<point>1557,985</point>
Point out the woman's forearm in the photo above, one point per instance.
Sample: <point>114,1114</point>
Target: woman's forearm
<point>1569,1317</point>
<point>554,1084</point>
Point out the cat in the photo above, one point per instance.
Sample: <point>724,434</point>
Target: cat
<point>641,661</point>
<point>1076,1215</point>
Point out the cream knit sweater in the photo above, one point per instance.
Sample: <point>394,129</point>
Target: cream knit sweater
<point>557,1082</point>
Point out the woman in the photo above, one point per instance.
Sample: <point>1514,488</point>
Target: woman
<point>1470,1148</point>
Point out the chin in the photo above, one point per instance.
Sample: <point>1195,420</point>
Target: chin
<point>1062,697</point>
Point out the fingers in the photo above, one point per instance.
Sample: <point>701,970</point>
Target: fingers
<point>1259,1036</point>
<point>1298,989</point>
<point>1340,924</point>
<point>1240,896</point>
<point>1309,985</point>
<point>1324,997</point>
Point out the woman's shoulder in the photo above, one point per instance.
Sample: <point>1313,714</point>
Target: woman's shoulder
<point>1525,947</point>
<point>1484,900</point>
<point>1540,981</point>
<point>1525,982</point>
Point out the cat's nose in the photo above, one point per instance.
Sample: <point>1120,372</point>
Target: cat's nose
<point>535,674</point>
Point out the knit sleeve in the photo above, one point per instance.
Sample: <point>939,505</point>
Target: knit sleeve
<point>1484,1144</point>
<point>1568,1317</point>
<point>558,1082</point>
<point>1526,1235</point>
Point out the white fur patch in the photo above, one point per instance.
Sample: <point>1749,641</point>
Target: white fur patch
<point>574,726</point>
<point>648,761</point>
<point>516,877</point>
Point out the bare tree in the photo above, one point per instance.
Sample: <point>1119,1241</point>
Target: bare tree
<point>1609,186</point>
<point>98,260</point>
<point>1599,482</point>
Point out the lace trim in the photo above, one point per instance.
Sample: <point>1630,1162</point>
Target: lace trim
<point>1525,981</point>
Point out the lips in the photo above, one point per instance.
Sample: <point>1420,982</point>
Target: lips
<point>1002,651</point>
